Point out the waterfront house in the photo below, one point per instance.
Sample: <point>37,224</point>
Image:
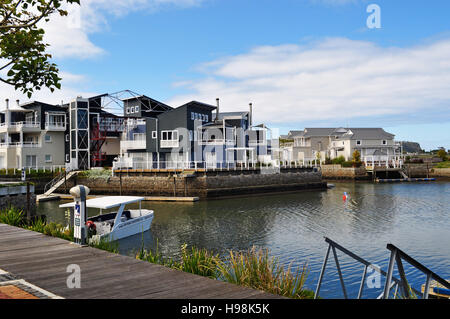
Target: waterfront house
<point>376,146</point>
<point>190,135</point>
<point>32,135</point>
<point>311,144</point>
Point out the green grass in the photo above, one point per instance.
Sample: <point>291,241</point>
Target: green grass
<point>12,216</point>
<point>253,268</point>
<point>443,165</point>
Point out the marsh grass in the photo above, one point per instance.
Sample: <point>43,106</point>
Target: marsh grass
<point>106,244</point>
<point>12,216</point>
<point>256,269</point>
<point>253,268</point>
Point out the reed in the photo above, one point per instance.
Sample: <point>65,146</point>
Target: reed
<point>105,244</point>
<point>12,216</point>
<point>199,261</point>
<point>254,268</point>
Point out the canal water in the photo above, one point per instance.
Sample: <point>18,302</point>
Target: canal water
<point>413,216</point>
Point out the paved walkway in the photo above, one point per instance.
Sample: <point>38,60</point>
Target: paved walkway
<point>41,262</point>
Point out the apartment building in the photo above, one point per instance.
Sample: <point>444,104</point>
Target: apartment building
<point>32,135</point>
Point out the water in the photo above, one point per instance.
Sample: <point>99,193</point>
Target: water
<point>413,216</point>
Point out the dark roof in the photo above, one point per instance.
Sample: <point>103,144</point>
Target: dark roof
<point>374,133</point>
<point>208,107</point>
<point>317,131</point>
<point>230,114</point>
<point>292,134</point>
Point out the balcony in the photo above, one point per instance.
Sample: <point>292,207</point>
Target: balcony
<point>133,145</point>
<point>20,145</point>
<point>18,126</point>
<point>55,126</point>
<point>169,143</point>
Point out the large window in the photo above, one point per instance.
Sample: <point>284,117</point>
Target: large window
<point>169,135</point>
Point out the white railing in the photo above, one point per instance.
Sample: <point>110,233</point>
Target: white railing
<point>169,143</point>
<point>133,144</point>
<point>19,125</point>
<point>55,126</point>
<point>24,145</point>
<point>128,164</point>
<point>216,142</point>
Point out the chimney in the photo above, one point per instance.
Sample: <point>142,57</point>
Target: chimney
<point>217,110</point>
<point>18,102</point>
<point>250,116</point>
<point>7,104</point>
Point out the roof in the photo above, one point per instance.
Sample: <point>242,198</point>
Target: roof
<point>107,202</point>
<point>197,103</point>
<point>292,134</point>
<point>374,133</point>
<point>231,115</point>
<point>317,131</point>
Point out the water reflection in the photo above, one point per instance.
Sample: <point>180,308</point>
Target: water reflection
<point>415,217</point>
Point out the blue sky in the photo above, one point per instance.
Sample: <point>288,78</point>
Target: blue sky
<point>303,63</point>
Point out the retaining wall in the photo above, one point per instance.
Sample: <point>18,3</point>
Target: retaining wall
<point>203,184</point>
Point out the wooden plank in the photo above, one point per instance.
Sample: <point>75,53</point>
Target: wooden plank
<point>43,261</point>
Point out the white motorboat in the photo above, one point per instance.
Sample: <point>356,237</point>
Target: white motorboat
<point>120,224</point>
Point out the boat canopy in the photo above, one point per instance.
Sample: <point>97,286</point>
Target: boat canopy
<point>107,202</point>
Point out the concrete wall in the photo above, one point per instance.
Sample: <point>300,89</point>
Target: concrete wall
<point>210,184</point>
<point>440,172</point>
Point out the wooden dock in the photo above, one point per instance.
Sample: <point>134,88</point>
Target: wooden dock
<point>44,198</point>
<point>42,261</point>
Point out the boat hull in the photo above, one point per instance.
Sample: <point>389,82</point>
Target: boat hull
<point>129,228</point>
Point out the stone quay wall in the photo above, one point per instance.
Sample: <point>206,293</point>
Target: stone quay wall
<point>202,184</point>
<point>336,172</point>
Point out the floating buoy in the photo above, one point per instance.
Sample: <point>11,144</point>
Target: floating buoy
<point>345,197</point>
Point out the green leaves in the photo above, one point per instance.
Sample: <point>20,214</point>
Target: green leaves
<point>27,63</point>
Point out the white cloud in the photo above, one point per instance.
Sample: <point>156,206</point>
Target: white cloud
<point>334,79</point>
<point>69,36</point>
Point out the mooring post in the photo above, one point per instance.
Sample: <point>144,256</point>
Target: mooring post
<point>79,194</point>
<point>28,201</point>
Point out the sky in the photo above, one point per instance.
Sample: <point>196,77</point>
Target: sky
<point>302,63</point>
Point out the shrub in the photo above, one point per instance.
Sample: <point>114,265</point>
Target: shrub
<point>12,216</point>
<point>347,164</point>
<point>338,160</point>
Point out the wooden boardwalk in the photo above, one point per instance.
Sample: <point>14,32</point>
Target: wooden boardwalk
<point>42,261</point>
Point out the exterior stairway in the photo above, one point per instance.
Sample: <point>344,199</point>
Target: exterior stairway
<point>58,182</point>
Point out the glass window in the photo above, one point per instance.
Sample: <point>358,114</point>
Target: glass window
<point>48,138</point>
<point>358,142</point>
<point>154,134</point>
<point>192,116</point>
<point>384,142</point>
<point>67,158</point>
<point>206,118</point>
<point>67,138</point>
<point>48,158</point>
<point>136,109</point>
<point>128,110</point>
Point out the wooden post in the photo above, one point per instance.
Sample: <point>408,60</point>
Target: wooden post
<point>65,182</point>
<point>120,180</point>
<point>174,186</point>
<point>28,202</point>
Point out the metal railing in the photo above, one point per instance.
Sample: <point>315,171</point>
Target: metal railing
<point>397,256</point>
<point>21,124</point>
<point>19,144</point>
<point>391,282</point>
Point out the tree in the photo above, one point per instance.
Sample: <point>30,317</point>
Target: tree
<point>356,156</point>
<point>22,50</point>
<point>442,154</point>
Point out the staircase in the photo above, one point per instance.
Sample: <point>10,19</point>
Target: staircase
<point>57,182</point>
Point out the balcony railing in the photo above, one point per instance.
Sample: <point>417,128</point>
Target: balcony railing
<point>21,145</point>
<point>19,125</point>
<point>55,126</point>
<point>133,145</point>
<point>169,143</point>
<point>216,142</point>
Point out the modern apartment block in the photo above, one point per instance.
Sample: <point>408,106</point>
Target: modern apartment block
<point>32,135</point>
<point>191,135</point>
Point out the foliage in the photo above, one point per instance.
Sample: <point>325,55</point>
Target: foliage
<point>22,50</point>
<point>12,216</point>
<point>338,160</point>
<point>96,173</point>
<point>443,165</point>
<point>198,261</point>
<point>105,244</point>
<point>442,154</point>
<point>255,269</point>
<point>356,156</point>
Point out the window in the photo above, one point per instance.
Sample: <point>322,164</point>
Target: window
<point>48,138</point>
<point>67,158</point>
<point>358,142</point>
<point>48,158</point>
<point>154,134</point>
<point>384,142</point>
<point>128,110</point>
<point>136,109</point>
<point>206,116</point>
<point>67,138</point>
<point>192,116</point>
<point>169,135</point>
<point>139,136</point>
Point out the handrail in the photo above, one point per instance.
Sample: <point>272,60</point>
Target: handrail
<point>396,257</point>
<point>332,245</point>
